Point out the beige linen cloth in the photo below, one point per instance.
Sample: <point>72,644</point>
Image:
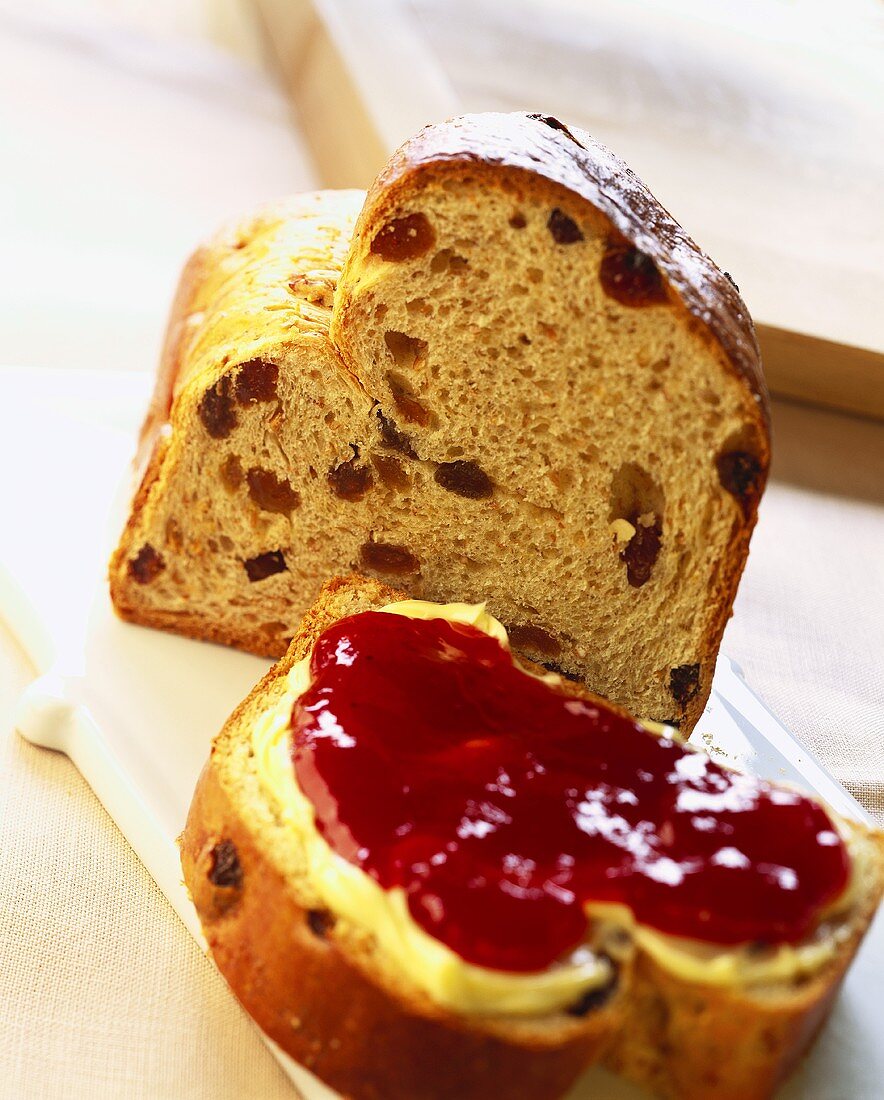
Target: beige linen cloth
<point>104,993</point>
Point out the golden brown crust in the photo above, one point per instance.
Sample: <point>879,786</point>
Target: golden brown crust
<point>321,1010</point>
<point>197,295</point>
<point>203,336</point>
<point>677,1038</point>
<point>308,995</point>
<point>198,627</point>
<point>569,157</point>
<point>690,1040</point>
<point>172,356</point>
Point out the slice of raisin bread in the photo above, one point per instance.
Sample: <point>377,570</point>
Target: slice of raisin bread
<point>535,390</point>
<point>324,990</point>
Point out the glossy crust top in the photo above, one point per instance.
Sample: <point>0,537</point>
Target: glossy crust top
<point>237,282</point>
<point>571,158</point>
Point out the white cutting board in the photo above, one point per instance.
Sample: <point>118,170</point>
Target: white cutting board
<point>136,709</point>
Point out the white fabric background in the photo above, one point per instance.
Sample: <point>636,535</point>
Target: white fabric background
<point>118,154</point>
<point>123,157</point>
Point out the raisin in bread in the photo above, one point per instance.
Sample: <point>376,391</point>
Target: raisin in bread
<point>323,988</point>
<point>532,389</point>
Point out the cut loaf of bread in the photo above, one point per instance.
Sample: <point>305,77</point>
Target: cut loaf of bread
<point>528,386</point>
<point>323,990</point>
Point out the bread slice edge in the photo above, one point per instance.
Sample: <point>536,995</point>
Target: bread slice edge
<point>316,992</point>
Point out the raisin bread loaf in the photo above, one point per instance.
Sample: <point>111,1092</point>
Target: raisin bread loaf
<point>530,387</point>
<point>322,985</point>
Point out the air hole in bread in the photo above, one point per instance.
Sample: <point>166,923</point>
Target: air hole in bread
<point>350,480</point>
<point>265,565</point>
<point>553,666</point>
<point>561,477</point>
<point>389,558</point>
<point>419,306</point>
<point>320,922</point>
<point>408,351</point>
<point>405,400</point>
<point>147,565</point>
<point>634,492</point>
<point>447,261</point>
<point>534,639</point>
<point>270,493</point>
<point>404,238</point>
<point>518,220</point>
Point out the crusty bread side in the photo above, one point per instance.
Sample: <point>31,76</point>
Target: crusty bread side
<point>315,985</point>
<point>520,303</point>
<point>318,988</point>
<point>256,296</point>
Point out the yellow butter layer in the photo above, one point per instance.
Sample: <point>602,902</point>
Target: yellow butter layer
<point>443,975</point>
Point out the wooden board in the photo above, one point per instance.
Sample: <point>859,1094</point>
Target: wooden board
<point>754,129</point>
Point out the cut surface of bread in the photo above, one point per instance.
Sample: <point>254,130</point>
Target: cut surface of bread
<point>528,386</point>
<point>320,986</point>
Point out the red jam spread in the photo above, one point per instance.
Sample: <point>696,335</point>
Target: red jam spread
<point>502,806</point>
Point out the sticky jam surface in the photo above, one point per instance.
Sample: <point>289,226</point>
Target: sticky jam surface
<point>502,806</point>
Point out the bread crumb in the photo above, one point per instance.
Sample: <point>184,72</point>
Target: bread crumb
<point>708,740</point>
<point>622,530</point>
